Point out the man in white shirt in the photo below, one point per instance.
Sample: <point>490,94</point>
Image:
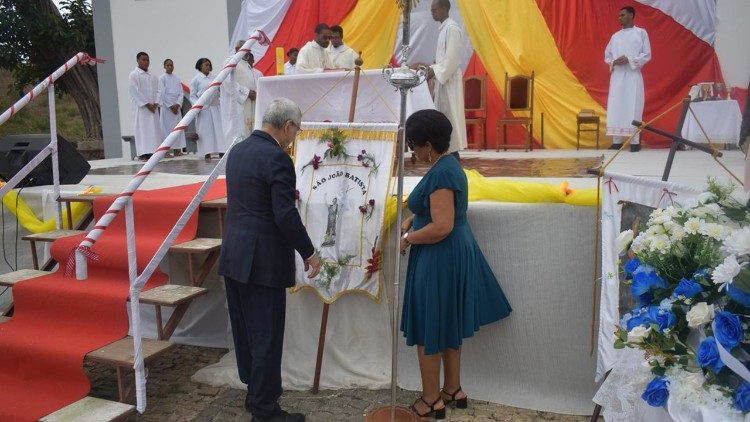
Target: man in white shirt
<point>627,52</point>
<point>290,67</point>
<point>313,57</point>
<point>449,82</point>
<point>342,56</point>
<point>143,93</point>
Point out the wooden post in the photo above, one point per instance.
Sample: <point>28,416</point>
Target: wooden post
<point>326,306</point>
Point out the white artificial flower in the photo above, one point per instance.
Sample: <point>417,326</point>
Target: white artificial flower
<point>676,232</point>
<point>726,271</point>
<point>714,230</point>
<point>679,249</point>
<point>701,313</point>
<point>738,243</point>
<point>655,230</point>
<point>713,209</point>
<point>623,241</point>
<point>640,243</point>
<point>692,225</point>
<point>637,334</point>
<point>706,197</point>
<point>660,243</point>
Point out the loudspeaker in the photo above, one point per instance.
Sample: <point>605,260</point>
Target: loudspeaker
<point>17,150</point>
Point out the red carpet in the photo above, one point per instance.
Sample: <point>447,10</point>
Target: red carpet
<point>58,320</point>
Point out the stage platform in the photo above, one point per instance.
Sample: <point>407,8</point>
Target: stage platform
<point>542,254</point>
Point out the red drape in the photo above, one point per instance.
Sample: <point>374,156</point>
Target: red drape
<point>582,29</point>
<point>298,26</point>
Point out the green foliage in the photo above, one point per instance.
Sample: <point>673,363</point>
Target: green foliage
<point>30,29</point>
<point>336,141</point>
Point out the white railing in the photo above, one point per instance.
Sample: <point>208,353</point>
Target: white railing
<point>77,259</point>
<point>51,149</point>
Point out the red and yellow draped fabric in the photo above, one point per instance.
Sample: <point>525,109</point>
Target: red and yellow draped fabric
<point>561,41</point>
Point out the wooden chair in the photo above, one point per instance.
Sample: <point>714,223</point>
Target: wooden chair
<point>519,97</point>
<point>475,107</point>
<point>587,117</point>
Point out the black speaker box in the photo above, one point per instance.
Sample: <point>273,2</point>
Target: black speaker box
<point>17,150</point>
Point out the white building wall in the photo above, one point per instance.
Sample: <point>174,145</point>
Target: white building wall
<point>183,30</point>
<point>733,35</point>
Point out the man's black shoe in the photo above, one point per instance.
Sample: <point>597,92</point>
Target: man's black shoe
<point>635,147</point>
<point>615,146</point>
<point>284,416</point>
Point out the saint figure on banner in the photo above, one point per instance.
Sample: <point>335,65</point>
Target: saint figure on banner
<point>330,237</point>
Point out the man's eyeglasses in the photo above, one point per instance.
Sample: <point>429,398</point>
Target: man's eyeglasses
<point>295,124</point>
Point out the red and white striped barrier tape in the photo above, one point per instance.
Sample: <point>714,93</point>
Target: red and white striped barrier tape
<point>166,145</point>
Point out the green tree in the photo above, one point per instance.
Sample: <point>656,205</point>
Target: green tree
<point>36,39</point>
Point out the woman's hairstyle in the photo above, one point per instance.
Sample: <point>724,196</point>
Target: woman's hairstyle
<point>200,62</point>
<point>429,126</point>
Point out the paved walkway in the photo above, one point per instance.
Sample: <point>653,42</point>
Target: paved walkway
<point>172,396</point>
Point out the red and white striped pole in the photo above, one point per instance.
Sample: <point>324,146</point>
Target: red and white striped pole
<point>82,58</point>
<point>84,248</point>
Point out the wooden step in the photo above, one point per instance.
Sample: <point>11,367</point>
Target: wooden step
<point>92,409</point>
<point>171,294</point>
<point>10,279</point>
<point>120,353</point>
<point>197,245</point>
<point>52,235</point>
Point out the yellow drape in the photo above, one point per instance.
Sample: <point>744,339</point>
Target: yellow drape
<point>32,223</point>
<point>512,36</point>
<point>371,28</point>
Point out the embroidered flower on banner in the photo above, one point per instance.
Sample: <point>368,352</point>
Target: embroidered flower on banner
<point>314,162</point>
<point>367,209</point>
<point>691,278</point>
<point>368,161</point>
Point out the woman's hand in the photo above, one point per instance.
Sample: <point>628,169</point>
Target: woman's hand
<point>406,224</point>
<point>404,245</point>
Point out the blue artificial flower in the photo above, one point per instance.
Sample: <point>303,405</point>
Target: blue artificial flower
<point>663,318</point>
<point>657,392</point>
<point>728,330</point>
<point>742,398</point>
<point>631,266</point>
<point>688,288</point>
<point>708,355</point>
<point>637,321</point>
<point>667,303</point>
<point>738,295</point>
<point>645,299</point>
<point>645,281</point>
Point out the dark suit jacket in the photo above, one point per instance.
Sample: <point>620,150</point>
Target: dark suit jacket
<point>262,227</point>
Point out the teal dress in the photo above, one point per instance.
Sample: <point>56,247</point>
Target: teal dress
<point>450,290</point>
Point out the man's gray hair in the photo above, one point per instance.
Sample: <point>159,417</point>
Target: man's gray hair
<point>280,111</point>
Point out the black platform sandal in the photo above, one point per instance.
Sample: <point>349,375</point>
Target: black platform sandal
<point>434,413</point>
<point>461,403</point>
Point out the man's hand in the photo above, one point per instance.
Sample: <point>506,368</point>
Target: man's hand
<point>175,108</point>
<point>252,95</point>
<point>312,265</point>
<point>620,60</point>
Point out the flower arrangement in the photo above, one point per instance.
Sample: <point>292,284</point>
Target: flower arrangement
<point>335,140</point>
<point>689,272</point>
<point>368,161</point>
<point>330,269</point>
<point>367,209</point>
<point>314,162</point>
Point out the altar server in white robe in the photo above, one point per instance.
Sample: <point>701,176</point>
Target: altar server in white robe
<point>313,57</point>
<point>342,56</point>
<point>170,100</point>
<point>238,93</point>
<point>143,91</point>
<point>627,52</point>
<point>449,82</point>
<point>290,67</point>
<point>208,126</point>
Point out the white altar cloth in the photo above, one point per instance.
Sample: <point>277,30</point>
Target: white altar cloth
<point>326,97</point>
<point>721,120</point>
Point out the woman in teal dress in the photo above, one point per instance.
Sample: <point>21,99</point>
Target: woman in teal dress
<point>450,290</point>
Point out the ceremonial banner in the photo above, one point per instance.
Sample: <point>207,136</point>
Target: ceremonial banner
<point>343,183</point>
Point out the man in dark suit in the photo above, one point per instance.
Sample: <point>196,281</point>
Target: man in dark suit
<point>262,231</point>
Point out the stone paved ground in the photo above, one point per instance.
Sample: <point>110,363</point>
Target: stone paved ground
<point>172,396</point>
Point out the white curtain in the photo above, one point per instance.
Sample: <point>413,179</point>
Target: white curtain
<point>265,15</point>
<point>615,188</point>
<point>698,16</point>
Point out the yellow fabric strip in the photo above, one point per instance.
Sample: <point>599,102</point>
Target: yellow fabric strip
<point>367,135</point>
<point>371,28</point>
<point>512,36</point>
<point>504,190</point>
<point>32,223</point>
